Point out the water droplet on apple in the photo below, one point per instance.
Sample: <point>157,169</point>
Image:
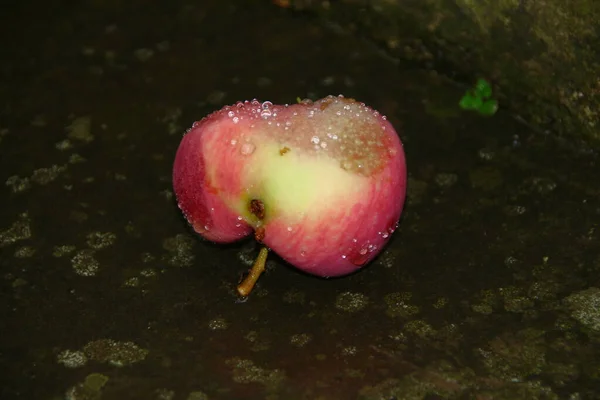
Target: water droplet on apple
<point>360,257</point>
<point>247,149</point>
<point>348,131</point>
<point>289,228</point>
<point>195,124</point>
<point>303,253</point>
<point>206,228</point>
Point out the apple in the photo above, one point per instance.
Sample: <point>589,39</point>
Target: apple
<point>320,183</point>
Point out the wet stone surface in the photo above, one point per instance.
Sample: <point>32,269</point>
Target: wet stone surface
<point>489,289</point>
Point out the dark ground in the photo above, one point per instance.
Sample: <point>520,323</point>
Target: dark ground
<point>490,289</point>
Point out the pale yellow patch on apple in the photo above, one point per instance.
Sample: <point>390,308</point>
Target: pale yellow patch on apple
<point>297,184</point>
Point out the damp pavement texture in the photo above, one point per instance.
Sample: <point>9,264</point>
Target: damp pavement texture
<point>489,289</point>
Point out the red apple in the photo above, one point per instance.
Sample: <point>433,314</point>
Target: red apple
<point>320,183</point>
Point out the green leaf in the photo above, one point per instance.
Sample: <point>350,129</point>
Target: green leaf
<point>488,108</point>
<point>469,102</point>
<point>483,89</point>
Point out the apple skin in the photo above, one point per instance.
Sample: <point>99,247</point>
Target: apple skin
<point>330,174</point>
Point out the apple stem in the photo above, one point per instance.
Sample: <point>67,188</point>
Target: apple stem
<point>258,268</point>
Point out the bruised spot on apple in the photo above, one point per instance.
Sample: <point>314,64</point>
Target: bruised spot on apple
<point>320,183</point>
